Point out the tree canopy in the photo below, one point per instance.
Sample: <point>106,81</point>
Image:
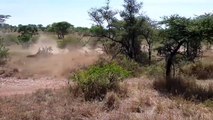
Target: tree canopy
<point>26,33</point>
<point>3,18</point>
<point>61,28</point>
<point>124,33</point>
<point>187,33</point>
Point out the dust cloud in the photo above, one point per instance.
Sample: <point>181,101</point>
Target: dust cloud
<point>61,63</point>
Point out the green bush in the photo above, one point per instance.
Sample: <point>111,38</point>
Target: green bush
<point>3,52</point>
<point>199,70</point>
<point>130,65</point>
<point>27,39</point>
<point>98,79</point>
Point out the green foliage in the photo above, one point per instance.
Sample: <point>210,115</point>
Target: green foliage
<point>27,34</point>
<point>126,32</point>
<point>129,64</point>
<point>40,27</point>
<point>82,30</point>
<point>149,33</point>
<point>24,38</point>
<point>28,29</point>
<point>97,30</point>
<point>3,52</point>
<point>175,34</point>
<point>3,18</point>
<point>182,32</point>
<point>61,29</point>
<point>97,80</point>
<point>199,70</point>
<point>186,32</point>
<point>5,27</point>
<point>205,25</point>
<point>154,71</point>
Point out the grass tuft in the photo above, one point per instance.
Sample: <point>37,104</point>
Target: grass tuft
<point>184,87</point>
<point>200,70</point>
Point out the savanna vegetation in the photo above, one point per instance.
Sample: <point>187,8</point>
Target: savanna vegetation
<point>162,67</point>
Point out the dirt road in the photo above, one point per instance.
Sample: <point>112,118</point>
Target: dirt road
<point>14,86</point>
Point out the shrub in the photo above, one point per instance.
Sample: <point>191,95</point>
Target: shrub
<point>199,70</point>
<point>3,52</point>
<point>130,65</point>
<point>98,79</point>
<point>27,39</point>
<point>10,39</point>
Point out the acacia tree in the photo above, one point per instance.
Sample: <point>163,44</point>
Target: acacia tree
<point>2,24</point>
<point>26,34</point>
<point>3,49</point>
<point>124,33</point>
<point>40,27</point>
<point>3,18</point>
<point>61,29</point>
<point>179,31</point>
<point>149,33</point>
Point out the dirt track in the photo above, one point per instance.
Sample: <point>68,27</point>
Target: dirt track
<point>13,86</point>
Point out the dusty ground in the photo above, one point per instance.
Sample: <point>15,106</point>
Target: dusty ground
<point>23,75</point>
<point>142,103</point>
<point>14,86</point>
<point>59,64</point>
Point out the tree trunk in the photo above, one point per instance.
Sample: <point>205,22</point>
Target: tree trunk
<point>169,63</point>
<point>58,36</point>
<point>188,51</point>
<point>62,36</point>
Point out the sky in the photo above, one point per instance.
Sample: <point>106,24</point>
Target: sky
<point>76,11</point>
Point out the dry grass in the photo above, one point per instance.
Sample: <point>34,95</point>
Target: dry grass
<point>47,105</point>
<point>135,100</point>
<point>187,88</point>
<point>143,102</point>
<point>200,70</point>
<point>112,101</point>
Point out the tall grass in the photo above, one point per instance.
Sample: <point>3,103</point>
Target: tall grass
<point>200,70</point>
<point>154,71</point>
<point>185,87</point>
